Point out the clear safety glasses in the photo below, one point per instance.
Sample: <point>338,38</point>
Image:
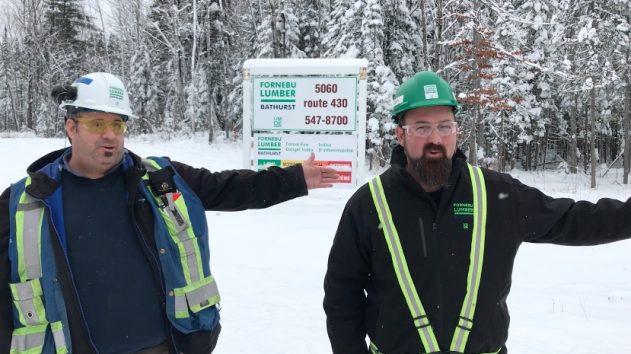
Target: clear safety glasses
<point>424,130</point>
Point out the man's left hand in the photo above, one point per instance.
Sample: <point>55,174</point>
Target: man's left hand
<point>318,176</point>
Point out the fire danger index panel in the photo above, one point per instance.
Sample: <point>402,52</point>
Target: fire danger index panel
<point>304,103</point>
<point>336,151</point>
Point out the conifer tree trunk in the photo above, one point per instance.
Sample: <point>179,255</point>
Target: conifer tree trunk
<point>627,127</point>
<point>437,57</point>
<point>572,158</point>
<point>425,64</point>
<point>476,130</point>
<point>592,140</point>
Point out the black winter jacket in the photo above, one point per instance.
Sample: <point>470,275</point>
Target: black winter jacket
<point>362,295</point>
<point>221,191</point>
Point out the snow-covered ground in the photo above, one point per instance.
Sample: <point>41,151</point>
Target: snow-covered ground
<point>270,264</point>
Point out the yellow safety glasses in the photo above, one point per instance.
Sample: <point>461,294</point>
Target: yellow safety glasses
<point>99,126</point>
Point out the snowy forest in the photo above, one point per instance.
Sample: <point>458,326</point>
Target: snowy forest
<point>543,83</point>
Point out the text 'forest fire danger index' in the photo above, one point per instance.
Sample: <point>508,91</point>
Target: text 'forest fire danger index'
<point>305,103</point>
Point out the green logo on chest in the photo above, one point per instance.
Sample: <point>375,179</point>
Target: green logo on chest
<point>463,209</point>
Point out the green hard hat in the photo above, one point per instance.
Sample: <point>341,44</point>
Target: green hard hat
<point>425,89</point>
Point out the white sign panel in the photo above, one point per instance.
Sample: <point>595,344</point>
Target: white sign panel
<point>294,103</point>
<point>336,151</point>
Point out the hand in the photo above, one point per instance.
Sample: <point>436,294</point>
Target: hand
<point>318,176</point>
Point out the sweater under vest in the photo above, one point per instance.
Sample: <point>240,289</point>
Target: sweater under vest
<point>119,298</point>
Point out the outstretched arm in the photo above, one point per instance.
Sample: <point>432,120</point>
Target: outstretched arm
<point>318,176</point>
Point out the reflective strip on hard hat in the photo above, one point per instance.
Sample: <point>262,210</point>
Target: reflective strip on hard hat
<point>478,238</point>
<point>425,331</point>
<point>59,337</point>
<point>419,316</point>
<point>27,340</point>
<point>28,221</point>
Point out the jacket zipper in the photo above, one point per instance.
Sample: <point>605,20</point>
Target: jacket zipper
<point>423,241</point>
<point>74,286</point>
<point>157,265</point>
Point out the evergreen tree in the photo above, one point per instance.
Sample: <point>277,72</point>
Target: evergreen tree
<point>343,31</point>
<point>402,40</point>
<point>591,73</point>
<point>198,98</point>
<point>278,32</point>
<point>243,23</point>
<point>133,53</point>
<point>69,28</point>
<point>622,65</point>
<point>8,111</point>
<point>216,64</point>
<point>143,92</point>
<point>171,31</point>
<point>311,28</point>
<point>525,33</point>
<point>381,80</point>
<point>478,53</point>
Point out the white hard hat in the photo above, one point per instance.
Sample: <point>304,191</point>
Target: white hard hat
<point>101,92</point>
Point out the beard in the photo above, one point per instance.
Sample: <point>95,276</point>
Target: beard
<point>432,172</point>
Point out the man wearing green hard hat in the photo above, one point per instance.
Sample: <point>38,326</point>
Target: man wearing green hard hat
<point>423,254</point>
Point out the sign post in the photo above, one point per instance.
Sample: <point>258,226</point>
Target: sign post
<point>292,107</point>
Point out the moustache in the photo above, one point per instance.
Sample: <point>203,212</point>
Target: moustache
<point>432,146</point>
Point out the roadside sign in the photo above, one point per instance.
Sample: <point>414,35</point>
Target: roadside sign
<point>292,107</point>
<point>296,103</point>
<point>282,150</point>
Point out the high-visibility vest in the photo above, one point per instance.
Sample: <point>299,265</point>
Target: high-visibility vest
<point>38,307</point>
<point>181,235</point>
<point>419,316</point>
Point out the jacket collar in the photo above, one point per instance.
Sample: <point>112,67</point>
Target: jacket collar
<point>45,172</point>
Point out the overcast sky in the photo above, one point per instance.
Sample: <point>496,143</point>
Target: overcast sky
<point>91,6</point>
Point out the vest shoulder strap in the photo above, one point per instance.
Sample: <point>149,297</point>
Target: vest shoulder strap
<point>404,278</point>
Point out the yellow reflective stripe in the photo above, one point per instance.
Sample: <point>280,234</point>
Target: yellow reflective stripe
<point>186,241</point>
<point>203,296</point>
<point>29,217</point>
<point>27,298</point>
<point>59,337</point>
<point>421,322</point>
<point>28,340</point>
<point>26,290</point>
<point>478,238</point>
<point>196,297</point>
<point>375,350</point>
<point>181,307</point>
<point>182,237</point>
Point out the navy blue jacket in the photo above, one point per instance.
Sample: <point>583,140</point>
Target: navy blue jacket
<point>221,191</point>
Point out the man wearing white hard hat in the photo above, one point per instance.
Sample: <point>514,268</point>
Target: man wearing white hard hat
<point>102,251</point>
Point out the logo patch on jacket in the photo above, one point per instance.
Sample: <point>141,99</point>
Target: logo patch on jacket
<point>463,209</point>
